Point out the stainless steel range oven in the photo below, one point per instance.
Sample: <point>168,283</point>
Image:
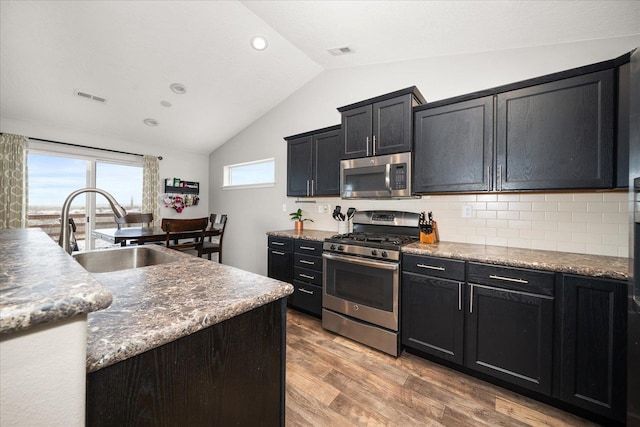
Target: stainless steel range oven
<point>361,280</point>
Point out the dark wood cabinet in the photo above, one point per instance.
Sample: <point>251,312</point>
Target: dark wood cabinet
<point>509,325</point>
<point>307,277</point>
<point>432,306</point>
<point>232,373</point>
<point>593,345</point>
<point>280,259</point>
<point>454,147</point>
<point>556,135</point>
<point>313,163</point>
<point>381,125</point>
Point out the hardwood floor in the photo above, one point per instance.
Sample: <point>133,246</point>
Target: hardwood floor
<point>333,381</point>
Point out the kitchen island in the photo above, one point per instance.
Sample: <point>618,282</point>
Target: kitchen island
<point>191,341</point>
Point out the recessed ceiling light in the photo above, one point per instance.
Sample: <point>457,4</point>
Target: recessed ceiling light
<point>178,88</point>
<point>151,122</point>
<point>165,104</point>
<point>259,43</point>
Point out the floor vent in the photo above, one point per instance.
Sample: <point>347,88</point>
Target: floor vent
<point>86,95</point>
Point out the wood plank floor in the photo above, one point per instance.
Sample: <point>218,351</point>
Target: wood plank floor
<point>333,381</point>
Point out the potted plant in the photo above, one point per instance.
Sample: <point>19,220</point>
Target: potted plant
<point>297,216</point>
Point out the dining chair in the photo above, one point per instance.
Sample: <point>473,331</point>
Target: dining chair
<point>185,234</point>
<point>213,237</point>
<point>134,218</point>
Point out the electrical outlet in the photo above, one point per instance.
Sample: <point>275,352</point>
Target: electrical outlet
<point>467,211</point>
<point>323,208</point>
<point>284,207</point>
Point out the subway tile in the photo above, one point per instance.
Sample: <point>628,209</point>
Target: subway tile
<point>486,197</point>
<point>600,249</point>
<point>558,216</point>
<point>572,206</point>
<point>508,232</point>
<point>486,214</point>
<point>619,218</point>
<point>497,223</point>
<point>615,196</point>
<point>558,236</point>
<point>623,251</point>
<point>496,241</point>
<point>508,215</point>
<point>477,206</point>
<point>544,206</point>
<point>519,206</point>
<point>592,217</point>
<point>579,227</point>
<point>544,225</point>
<point>603,207</point>
<point>544,245</point>
<point>531,234</point>
<point>587,197</point>
<point>586,238</point>
<point>476,222</point>
<point>520,224</point>
<point>615,239</point>
<point>602,228</point>
<point>466,198</point>
<point>497,206</point>
<point>487,232</point>
<point>477,240</point>
<point>519,243</point>
<point>526,197</point>
<point>508,197</point>
<point>558,197</point>
<point>579,248</point>
<point>532,216</point>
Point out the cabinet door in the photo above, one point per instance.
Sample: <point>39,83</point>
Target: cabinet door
<point>392,126</point>
<point>593,349</point>
<point>327,149</point>
<point>454,147</point>
<point>509,335</point>
<point>432,316</point>
<point>356,132</point>
<point>557,135</point>
<point>280,265</point>
<point>299,166</point>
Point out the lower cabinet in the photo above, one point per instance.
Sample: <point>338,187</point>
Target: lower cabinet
<point>593,345</point>
<point>298,262</point>
<point>509,329</point>
<point>432,306</point>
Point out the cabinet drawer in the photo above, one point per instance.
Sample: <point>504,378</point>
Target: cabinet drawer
<point>306,297</point>
<point>536,282</point>
<point>308,247</point>
<point>282,243</point>
<point>432,266</point>
<point>306,275</point>
<point>307,261</point>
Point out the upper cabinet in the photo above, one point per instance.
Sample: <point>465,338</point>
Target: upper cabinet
<point>557,135</point>
<point>381,125</point>
<point>556,132</point>
<point>313,163</point>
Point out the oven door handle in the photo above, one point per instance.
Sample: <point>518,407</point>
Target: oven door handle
<point>363,261</point>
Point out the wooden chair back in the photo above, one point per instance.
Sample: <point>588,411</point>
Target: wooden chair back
<point>185,234</point>
<point>216,229</point>
<point>135,218</point>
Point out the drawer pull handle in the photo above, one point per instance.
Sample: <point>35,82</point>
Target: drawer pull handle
<point>508,279</point>
<point>278,243</point>
<point>431,267</point>
<point>306,276</point>
<point>277,253</point>
<point>307,248</point>
<point>304,261</point>
<point>305,291</point>
<point>459,296</point>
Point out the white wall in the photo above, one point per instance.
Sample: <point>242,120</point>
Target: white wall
<point>175,163</point>
<point>586,223</point>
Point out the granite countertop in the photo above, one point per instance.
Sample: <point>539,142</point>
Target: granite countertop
<point>317,235</point>
<point>40,283</point>
<point>562,262</point>
<point>158,304</point>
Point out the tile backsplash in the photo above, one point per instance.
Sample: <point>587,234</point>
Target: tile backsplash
<point>588,223</point>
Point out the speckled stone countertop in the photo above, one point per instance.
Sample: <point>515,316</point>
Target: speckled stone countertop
<point>40,283</point>
<point>562,262</point>
<point>317,235</point>
<point>158,304</point>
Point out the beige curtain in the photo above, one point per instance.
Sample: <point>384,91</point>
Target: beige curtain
<point>13,181</point>
<point>150,190</point>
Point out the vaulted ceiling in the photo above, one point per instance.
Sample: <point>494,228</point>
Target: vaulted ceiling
<point>130,52</point>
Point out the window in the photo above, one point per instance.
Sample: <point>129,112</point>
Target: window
<point>56,171</point>
<point>260,173</point>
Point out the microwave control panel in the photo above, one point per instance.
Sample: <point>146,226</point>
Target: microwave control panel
<point>399,176</point>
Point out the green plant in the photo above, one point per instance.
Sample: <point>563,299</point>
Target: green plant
<point>297,215</point>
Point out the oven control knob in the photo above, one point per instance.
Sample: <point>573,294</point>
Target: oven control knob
<point>374,252</point>
<point>384,254</point>
<point>333,247</point>
<point>341,248</point>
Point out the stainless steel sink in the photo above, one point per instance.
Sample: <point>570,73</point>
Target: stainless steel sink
<point>102,261</point>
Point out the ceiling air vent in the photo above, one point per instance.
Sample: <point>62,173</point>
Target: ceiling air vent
<point>340,51</point>
<point>86,95</point>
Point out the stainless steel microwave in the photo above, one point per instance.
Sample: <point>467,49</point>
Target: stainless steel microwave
<point>379,177</point>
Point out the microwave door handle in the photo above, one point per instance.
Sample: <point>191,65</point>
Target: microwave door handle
<point>387,177</point>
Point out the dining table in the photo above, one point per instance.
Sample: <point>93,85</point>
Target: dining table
<point>144,235</point>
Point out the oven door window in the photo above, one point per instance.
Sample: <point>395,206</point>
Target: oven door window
<point>367,285</point>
